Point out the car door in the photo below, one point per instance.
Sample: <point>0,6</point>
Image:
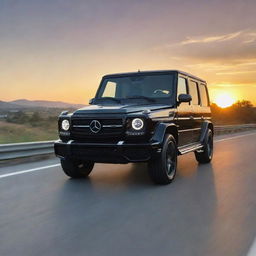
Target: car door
<point>205,112</point>
<point>184,112</point>
<point>195,110</point>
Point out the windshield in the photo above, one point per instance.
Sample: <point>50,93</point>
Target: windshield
<point>150,88</point>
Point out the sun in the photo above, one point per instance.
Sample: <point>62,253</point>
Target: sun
<point>225,100</point>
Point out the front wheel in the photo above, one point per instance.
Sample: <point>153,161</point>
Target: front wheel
<point>205,155</point>
<point>76,169</point>
<point>162,168</point>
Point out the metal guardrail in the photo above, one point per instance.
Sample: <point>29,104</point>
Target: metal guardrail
<point>28,149</point>
<point>222,129</point>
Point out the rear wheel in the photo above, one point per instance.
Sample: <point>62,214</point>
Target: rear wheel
<point>205,154</point>
<point>162,168</point>
<point>76,169</point>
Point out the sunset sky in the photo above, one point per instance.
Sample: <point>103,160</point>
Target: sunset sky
<point>59,49</point>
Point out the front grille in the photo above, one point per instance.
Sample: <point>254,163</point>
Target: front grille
<point>109,128</point>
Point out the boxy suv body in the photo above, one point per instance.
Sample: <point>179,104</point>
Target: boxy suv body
<point>150,116</point>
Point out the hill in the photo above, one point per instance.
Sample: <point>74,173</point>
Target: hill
<point>45,104</point>
<point>8,106</point>
<point>36,104</point>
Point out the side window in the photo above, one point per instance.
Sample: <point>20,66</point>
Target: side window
<point>203,95</point>
<point>193,92</point>
<point>110,90</point>
<point>182,86</point>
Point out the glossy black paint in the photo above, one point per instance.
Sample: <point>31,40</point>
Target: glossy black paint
<point>188,123</point>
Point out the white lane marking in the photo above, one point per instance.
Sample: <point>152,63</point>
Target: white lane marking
<point>55,165</point>
<point>252,251</point>
<point>234,137</point>
<point>29,170</point>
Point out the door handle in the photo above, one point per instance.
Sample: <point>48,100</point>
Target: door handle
<point>171,113</point>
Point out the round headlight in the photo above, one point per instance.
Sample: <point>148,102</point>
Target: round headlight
<point>137,124</point>
<point>65,125</point>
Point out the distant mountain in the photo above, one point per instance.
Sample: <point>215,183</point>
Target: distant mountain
<point>8,106</point>
<point>23,103</point>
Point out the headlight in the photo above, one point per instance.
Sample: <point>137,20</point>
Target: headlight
<point>137,124</point>
<point>65,125</point>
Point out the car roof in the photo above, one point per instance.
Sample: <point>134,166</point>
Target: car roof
<point>154,72</point>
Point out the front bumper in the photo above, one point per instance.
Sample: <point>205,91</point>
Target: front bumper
<point>106,153</point>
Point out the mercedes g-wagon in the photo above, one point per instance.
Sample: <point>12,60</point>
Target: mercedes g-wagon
<point>150,116</point>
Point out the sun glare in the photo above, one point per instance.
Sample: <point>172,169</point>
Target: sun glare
<point>225,100</point>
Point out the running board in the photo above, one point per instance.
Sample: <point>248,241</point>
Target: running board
<point>189,148</point>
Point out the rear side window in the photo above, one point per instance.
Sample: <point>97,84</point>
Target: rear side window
<point>203,95</point>
<point>193,91</point>
<point>182,86</point>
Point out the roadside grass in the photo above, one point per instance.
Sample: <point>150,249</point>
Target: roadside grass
<point>12,133</point>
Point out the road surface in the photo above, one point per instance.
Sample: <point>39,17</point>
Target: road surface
<point>208,210</point>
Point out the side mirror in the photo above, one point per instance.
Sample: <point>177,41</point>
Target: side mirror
<point>184,98</point>
<point>91,101</point>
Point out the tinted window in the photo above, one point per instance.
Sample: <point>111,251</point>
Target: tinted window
<point>203,95</point>
<point>125,87</point>
<point>182,86</point>
<point>193,92</point>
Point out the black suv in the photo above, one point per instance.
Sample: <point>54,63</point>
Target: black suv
<point>151,116</point>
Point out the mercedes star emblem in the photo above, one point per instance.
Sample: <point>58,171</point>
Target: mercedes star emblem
<point>95,126</point>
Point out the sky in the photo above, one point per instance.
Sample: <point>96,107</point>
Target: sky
<point>60,49</point>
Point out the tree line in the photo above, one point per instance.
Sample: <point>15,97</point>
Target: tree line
<point>241,112</point>
<point>34,119</point>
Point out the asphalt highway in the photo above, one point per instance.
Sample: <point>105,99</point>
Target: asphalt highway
<point>208,210</point>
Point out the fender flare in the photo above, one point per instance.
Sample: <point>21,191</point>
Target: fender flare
<point>205,126</point>
<point>161,130</point>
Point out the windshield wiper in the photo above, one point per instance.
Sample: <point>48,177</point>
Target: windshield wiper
<point>109,98</point>
<point>141,97</point>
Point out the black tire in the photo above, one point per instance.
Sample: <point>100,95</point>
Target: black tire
<point>162,168</point>
<point>205,155</point>
<point>76,169</point>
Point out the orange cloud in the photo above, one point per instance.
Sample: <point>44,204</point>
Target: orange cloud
<point>210,39</point>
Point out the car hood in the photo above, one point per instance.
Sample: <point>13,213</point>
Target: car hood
<point>119,109</point>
